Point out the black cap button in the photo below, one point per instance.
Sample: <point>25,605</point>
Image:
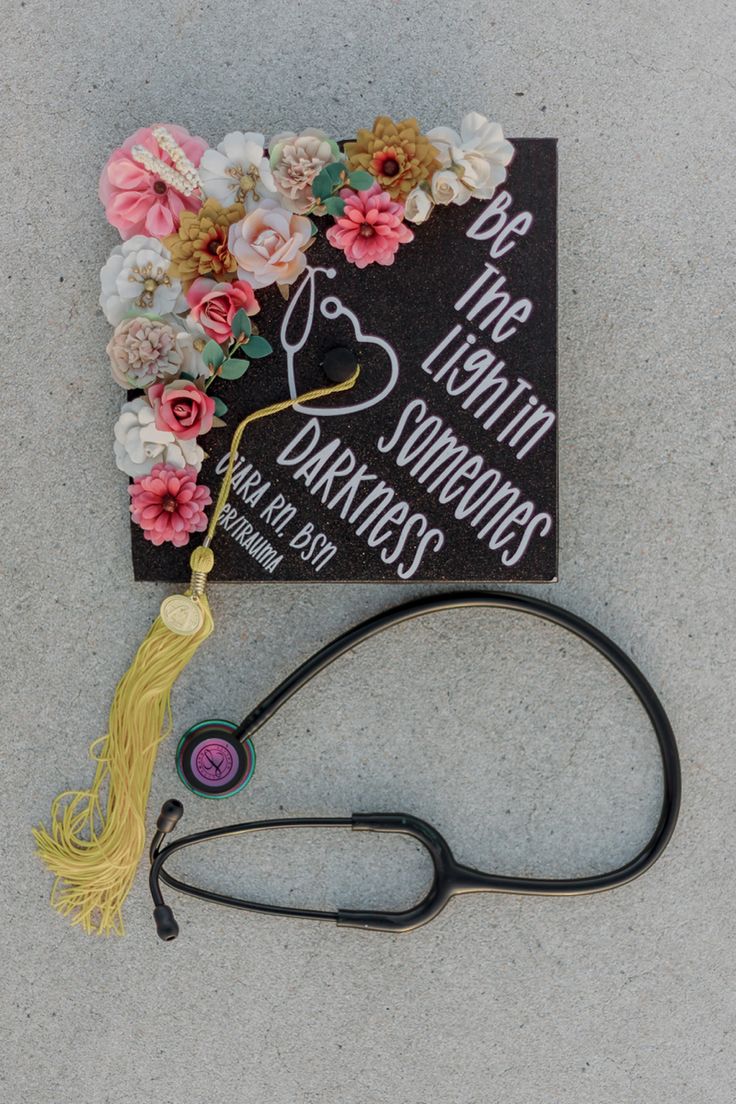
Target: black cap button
<point>339,364</point>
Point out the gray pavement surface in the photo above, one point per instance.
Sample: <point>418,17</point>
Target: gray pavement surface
<point>520,746</point>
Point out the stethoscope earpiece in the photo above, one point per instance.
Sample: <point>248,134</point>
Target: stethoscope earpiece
<point>212,761</point>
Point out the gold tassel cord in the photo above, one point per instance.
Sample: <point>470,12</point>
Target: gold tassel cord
<point>94,851</point>
<point>95,854</point>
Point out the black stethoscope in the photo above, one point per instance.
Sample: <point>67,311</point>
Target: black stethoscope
<point>216,758</point>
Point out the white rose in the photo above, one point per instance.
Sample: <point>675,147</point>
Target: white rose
<point>418,206</point>
<point>139,445</point>
<point>135,280</point>
<point>479,152</point>
<point>447,187</point>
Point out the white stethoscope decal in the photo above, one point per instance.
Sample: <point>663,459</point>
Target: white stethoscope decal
<point>330,307</point>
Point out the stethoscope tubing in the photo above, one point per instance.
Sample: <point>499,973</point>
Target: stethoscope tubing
<point>451,877</point>
<point>546,611</point>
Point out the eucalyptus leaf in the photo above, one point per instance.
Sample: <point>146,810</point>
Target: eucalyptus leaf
<point>212,354</point>
<point>335,206</point>
<point>258,347</point>
<point>361,180</point>
<point>234,368</point>
<point>241,324</point>
<point>220,406</point>
<point>322,185</point>
<point>334,170</point>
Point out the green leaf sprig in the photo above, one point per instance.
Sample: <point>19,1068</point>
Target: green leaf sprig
<point>328,183</point>
<point>242,348</point>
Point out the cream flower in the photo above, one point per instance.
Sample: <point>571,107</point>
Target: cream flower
<point>269,245</point>
<point>418,206</point>
<point>139,445</point>
<point>296,159</point>
<point>238,171</point>
<point>448,188</point>
<point>478,155</point>
<point>142,350</point>
<point>190,341</point>
<point>135,280</point>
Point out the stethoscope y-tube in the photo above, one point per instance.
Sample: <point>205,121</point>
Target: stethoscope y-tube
<point>210,761</point>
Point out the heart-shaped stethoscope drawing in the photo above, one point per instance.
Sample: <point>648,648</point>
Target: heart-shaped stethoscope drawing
<point>330,307</point>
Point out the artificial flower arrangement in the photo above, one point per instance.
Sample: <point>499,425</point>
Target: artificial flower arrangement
<point>205,229</point>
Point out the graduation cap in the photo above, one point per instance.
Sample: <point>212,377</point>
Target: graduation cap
<point>392,303</point>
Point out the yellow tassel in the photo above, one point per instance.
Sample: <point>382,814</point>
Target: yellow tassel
<point>94,853</point>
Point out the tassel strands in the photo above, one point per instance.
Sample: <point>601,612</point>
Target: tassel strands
<point>93,853</point>
<point>97,836</point>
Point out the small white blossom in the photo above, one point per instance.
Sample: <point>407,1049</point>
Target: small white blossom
<point>190,341</point>
<point>139,445</point>
<point>418,206</point>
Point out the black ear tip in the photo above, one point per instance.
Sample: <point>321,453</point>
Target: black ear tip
<point>170,815</point>
<point>339,364</point>
<point>166,926</point>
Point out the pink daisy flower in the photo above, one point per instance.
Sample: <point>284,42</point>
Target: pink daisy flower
<point>371,228</point>
<point>138,201</point>
<point>168,504</point>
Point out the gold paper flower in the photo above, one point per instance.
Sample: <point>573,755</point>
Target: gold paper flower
<point>397,155</point>
<point>199,247</point>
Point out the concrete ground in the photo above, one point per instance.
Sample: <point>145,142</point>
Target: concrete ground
<point>525,751</point>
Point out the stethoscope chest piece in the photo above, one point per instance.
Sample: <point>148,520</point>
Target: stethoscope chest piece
<point>212,761</point>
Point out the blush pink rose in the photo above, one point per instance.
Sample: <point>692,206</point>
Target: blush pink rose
<point>181,408</point>
<point>169,504</point>
<point>371,228</point>
<point>269,245</point>
<point>214,305</point>
<point>137,201</point>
